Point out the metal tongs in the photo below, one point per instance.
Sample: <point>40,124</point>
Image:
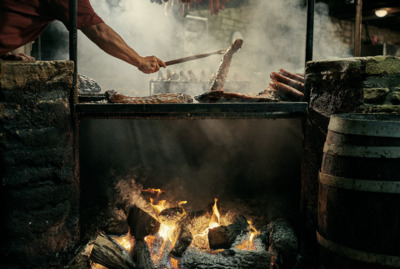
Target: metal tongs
<point>194,57</point>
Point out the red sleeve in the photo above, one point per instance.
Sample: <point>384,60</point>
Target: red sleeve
<point>86,15</point>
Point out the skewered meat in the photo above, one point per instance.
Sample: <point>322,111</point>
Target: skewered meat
<point>286,90</point>
<point>285,86</point>
<point>297,77</point>
<point>223,69</point>
<point>221,96</point>
<point>183,77</point>
<point>174,98</point>
<point>192,76</point>
<point>288,81</point>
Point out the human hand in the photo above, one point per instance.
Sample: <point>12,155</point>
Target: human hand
<point>151,64</point>
<point>17,57</point>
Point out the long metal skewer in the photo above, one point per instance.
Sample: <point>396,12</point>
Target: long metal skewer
<point>194,57</point>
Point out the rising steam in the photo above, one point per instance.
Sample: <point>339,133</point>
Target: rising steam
<point>274,38</point>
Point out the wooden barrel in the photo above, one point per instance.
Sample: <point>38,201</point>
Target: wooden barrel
<point>359,193</point>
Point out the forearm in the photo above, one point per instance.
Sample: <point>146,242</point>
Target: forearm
<point>109,41</point>
<point>112,43</point>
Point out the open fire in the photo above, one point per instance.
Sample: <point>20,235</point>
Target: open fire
<point>163,234</point>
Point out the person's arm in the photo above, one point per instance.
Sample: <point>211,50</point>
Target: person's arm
<point>17,57</point>
<point>109,41</point>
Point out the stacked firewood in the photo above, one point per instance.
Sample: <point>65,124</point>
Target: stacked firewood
<point>278,241</point>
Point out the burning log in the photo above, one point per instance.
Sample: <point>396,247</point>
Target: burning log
<point>172,215</point>
<point>185,237</point>
<point>224,236</point>
<point>141,255</point>
<point>231,259</point>
<point>223,69</point>
<point>110,254</point>
<point>141,224</point>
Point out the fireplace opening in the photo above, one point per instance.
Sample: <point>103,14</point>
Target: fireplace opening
<point>251,167</point>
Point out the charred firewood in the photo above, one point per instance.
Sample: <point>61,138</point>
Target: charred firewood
<point>224,236</point>
<point>283,244</point>
<point>141,224</point>
<point>110,254</point>
<point>223,69</point>
<point>264,237</point>
<point>231,259</point>
<point>172,215</point>
<point>141,255</point>
<point>185,237</point>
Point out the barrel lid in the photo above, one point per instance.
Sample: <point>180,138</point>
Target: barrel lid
<point>383,125</point>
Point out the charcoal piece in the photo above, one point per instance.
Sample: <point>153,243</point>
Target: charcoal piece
<point>185,237</point>
<point>141,255</point>
<point>107,252</point>
<point>141,224</point>
<point>283,243</point>
<point>242,259</point>
<point>224,236</point>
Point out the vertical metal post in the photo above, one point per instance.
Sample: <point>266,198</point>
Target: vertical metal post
<point>39,48</point>
<point>73,37</point>
<point>358,26</point>
<point>310,30</point>
<point>309,41</point>
<point>73,99</point>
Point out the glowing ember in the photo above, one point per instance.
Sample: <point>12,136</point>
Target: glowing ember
<point>125,241</point>
<point>156,245</point>
<point>174,263</point>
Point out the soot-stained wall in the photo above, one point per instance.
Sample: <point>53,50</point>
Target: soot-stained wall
<point>193,160</point>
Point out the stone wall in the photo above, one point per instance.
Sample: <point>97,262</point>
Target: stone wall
<point>353,85</point>
<point>39,183</point>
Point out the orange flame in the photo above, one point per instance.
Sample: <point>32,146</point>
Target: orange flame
<point>174,263</point>
<point>159,207</point>
<point>153,191</point>
<point>182,203</point>
<point>214,222</point>
<point>248,244</point>
<point>125,241</point>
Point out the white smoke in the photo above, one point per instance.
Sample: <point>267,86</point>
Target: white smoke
<point>274,38</point>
